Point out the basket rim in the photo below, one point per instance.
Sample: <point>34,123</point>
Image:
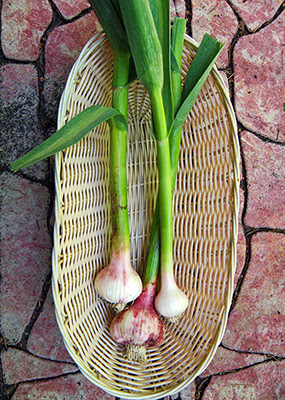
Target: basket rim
<point>84,54</point>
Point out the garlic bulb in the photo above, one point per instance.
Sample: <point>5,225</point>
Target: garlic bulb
<point>139,326</point>
<point>118,283</point>
<point>170,302</point>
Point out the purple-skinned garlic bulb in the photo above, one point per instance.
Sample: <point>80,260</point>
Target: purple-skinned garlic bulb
<point>138,327</point>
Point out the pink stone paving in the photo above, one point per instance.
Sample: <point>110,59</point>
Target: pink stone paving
<point>177,8</point>
<point>259,62</point>
<point>23,24</point>
<point>21,366</point>
<point>16,80</point>
<point>62,49</point>
<point>26,256</point>
<point>216,18</point>
<point>69,387</point>
<point>249,364</point>
<point>263,293</point>
<point>45,339</point>
<point>264,381</point>
<point>255,13</point>
<point>188,393</point>
<point>20,130</point>
<point>241,241</point>
<point>69,10</point>
<point>226,360</point>
<point>266,182</point>
<point>65,43</point>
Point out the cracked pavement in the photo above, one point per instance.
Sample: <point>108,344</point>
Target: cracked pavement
<point>39,42</point>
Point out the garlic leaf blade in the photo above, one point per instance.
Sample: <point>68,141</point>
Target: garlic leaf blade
<point>73,131</point>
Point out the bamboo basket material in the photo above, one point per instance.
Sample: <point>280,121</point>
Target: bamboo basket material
<point>205,210</point>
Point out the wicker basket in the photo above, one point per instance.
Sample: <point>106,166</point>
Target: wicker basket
<point>205,229</point>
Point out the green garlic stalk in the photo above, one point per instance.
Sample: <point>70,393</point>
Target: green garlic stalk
<point>118,282</point>
<point>146,47</point>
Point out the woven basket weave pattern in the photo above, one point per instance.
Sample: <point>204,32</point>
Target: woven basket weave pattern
<point>205,206</point>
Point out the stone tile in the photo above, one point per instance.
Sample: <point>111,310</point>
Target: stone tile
<point>186,394</point>
<point>69,387</point>
<point>241,242</point>
<point>259,74</point>
<point>25,251</point>
<point>23,24</point>
<point>266,182</point>
<point>19,366</point>
<point>177,8</point>
<point>257,322</point>
<point>264,381</point>
<point>20,126</point>
<point>45,339</point>
<point>227,360</point>
<point>70,9</point>
<point>240,254</point>
<point>217,19</point>
<point>255,13</point>
<point>62,49</point>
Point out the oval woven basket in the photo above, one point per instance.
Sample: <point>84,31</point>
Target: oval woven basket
<point>205,210</point>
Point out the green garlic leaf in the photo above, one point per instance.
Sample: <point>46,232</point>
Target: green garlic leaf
<point>73,131</point>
